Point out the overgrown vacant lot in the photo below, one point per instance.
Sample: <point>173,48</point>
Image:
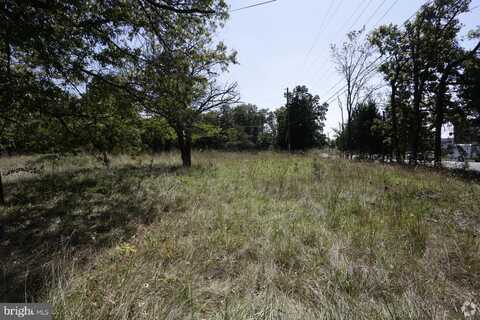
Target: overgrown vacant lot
<point>240,236</point>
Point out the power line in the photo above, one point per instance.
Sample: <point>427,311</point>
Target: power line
<point>345,24</point>
<point>334,86</point>
<point>371,16</point>
<point>376,10</point>
<point>353,14</point>
<point>328,20</point>
<point>253,5</point>
<point>370,68</point>
<point>474,8</point>
<point>385,14</point>
<point>336,10</point>
<point>344,88</point>
<point>388,11</point>
<point>320,31</point>
<point>358,18</point>
<point>355,22</point>
<point>361,14</point>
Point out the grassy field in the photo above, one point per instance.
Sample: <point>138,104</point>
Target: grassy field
<point>239,236</point>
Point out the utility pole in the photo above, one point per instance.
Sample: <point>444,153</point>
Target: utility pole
<point>289,132</point>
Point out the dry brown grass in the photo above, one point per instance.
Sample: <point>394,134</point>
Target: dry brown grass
<point>242,236</point>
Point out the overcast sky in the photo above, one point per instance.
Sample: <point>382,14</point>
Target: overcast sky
<point>286,43</point>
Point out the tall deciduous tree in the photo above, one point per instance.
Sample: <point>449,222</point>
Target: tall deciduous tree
<point>425,58</point>
<point>66,44</point>
<point>354,62</point>
<point>467,117</point>
<point>177,78</point>
<point>391,44</point>
<point>442,27</point>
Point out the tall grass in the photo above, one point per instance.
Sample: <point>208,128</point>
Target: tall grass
<point>243,236</point>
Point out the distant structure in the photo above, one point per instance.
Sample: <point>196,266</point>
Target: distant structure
<point>447,141</point>
<point>463,142</point>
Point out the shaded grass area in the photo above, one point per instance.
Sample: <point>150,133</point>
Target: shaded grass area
<point>244,236</point>
<point>71,214</point>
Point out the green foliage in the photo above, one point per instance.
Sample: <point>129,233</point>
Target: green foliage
<point>207,135</point>
<point>422,65</point>
<point>157,135</point>
<point>470,93</point>
<point>301,122</point>
<point>107,119</point>
<point>241,127</point>
<point>177,77</point>
<point>367,129</point>
<point>53,53</point>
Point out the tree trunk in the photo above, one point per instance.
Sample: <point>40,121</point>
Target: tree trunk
<point>2,196</point>
<point>417,99</point>
<point>105,159</point>
<point>417,118</point>
<point>416,112</point>
<point>348,144</point>
<point>350,107</point>
<point>440,103</point>
<point>187,151</point>
<point>393,104</point>
<point>185,146</point>
<point>8,54</point>
<point>440,117</point>
<point>438,133</point>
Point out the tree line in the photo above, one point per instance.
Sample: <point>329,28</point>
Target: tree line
<point>114,123</point>
<point>79,73</point>
<point>431,78</point>
<point>107,76</point>
<point>76,71</point>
